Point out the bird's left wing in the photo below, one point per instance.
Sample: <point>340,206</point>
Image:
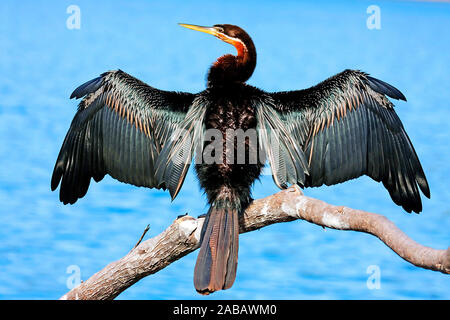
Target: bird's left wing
<point>346,128</point>
<point>120,129</point>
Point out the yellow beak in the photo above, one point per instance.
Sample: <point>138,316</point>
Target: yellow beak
<point>209,30</point>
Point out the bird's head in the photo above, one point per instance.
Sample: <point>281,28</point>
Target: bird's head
<point>246,53</point>
<point>228,33</point>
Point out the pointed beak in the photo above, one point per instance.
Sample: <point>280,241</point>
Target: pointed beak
<point>210,30</point>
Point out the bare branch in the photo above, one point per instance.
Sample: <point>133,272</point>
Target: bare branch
<point>182,237</point>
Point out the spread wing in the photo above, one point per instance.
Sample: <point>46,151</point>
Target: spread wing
<point>346,128</point>
<point>120,128</point>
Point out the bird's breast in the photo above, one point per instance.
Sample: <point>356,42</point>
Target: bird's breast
<point>230,150</point>
<point>225,114</point>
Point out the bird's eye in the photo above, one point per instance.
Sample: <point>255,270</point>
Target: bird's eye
<point>220,29</point>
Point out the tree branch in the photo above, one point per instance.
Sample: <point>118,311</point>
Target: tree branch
<point>182,237</point>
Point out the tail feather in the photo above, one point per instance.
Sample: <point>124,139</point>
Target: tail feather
<point>217,260</point>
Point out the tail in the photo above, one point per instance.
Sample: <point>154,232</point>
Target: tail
<point>217,260</point>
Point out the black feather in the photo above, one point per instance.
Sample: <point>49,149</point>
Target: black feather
<point>87,88</point>
<point>385,88</point>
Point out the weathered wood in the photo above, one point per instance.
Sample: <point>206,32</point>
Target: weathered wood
<point>183,235</point>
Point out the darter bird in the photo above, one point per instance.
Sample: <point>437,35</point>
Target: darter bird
<point>337,130</point>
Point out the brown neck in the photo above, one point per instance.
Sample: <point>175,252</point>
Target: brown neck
<point>231,69</point>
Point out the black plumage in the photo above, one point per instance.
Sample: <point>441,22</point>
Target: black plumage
<point>340,129</point>
<point>119,129</point>
<point>348,128</point>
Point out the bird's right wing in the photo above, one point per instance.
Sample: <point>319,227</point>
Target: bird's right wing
<point>120,129</point>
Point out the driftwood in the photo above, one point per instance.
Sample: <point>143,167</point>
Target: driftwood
<point>182,237</point>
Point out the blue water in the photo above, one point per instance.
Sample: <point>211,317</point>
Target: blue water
<point>299,44</point>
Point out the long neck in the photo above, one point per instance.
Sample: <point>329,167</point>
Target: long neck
<point>231,69</point>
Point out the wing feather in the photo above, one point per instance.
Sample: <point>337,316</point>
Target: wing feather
<point>352,130</point>
<point>287,161</point>
<point>120,128</point>
<point>176,156</point>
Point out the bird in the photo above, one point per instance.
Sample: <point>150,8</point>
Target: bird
<point>340,129</point>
